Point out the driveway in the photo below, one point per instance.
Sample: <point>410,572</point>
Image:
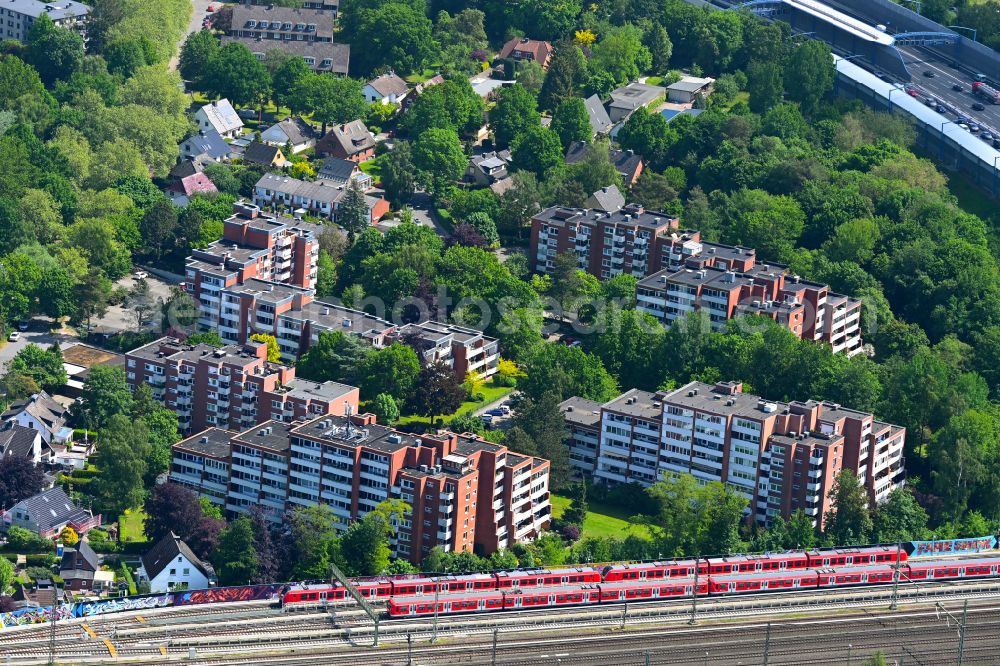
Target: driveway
<point>119,318</point>
<point>38,333</point>
<point>421,202</point>
<point>199,10</point>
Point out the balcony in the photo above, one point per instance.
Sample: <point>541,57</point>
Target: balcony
<point>815,474</point>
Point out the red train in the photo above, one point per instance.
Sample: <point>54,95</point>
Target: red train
<point>617,591</point>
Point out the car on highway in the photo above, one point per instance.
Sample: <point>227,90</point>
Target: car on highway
<point>912,92</point>
<point>973,127</point>
<point>996,143</point>
<point>14,336</point>
<point>964,126</point>
<point>929,74</point>
<point>953,64</point>
<point>957,87</point>
<point>978,107</point>
<point>987,137</point>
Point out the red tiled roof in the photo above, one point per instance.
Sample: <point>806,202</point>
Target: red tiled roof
<point>197,182</point>
<point>540,50</point>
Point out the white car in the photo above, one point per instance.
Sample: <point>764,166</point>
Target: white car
<point>14,336</point>
<point>140,275</point>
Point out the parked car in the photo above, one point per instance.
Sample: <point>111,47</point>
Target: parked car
<point>23,325</point>
<point>14,336</point>
<point>140,275</point>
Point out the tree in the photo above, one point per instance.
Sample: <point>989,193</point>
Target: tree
<point>621,54</point>
<point>121,463</point>
<point>546,19</point>
<point>92,294</point>
<point>125,56</point>
<point>354,214</point>
<point>313,532</point>
<point>365,545</point>
<point>235,558</point>
<point>7,576</point>
<point>158,226</point>
<point>439,391</point>
<point>335,356</point>
<point>393,35</point>
<point>43,366</point>
<point>55,52</point>
<point>392,370</point>
<point>519,203</point>
<point>568,371</point>
<point>331,99</point>
<point>385,408</point>
<point>199,50</point>
<point>485,228</point>
<point>567,72</point>
<point>105,394</point>
<point>766,85</point>
<point>515,113</point>
<point>810,74</point>
<point>542,420</point>
<point>657,42</point>
<point>899,518</point>
<point>848,522</point>
<point>397,174</point>
<point>20,479</point>
<point>596,171</point>
<point>69,536</point>
<point>571,122</point>
<point>438,158</point>
<point>55,293</point>
<point>538,150</point>
<point>236,74</point>
<point>273,351</point>
<point>576,512</point>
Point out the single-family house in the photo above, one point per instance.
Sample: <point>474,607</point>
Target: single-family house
<point>419,89</point>
<point>205,146</point>
<point>290,131</point>
<point>689,88</point>
<point>341,172</point>
<point>524,49</point>
<point>608,199</point>
<point>48,512</point>
<point>386,89</point>
<point>78,567</point>
<point>488,168</point>
<point>184,188</point>
<point>626,162</point>
<point>625,100</point>
<point>349,141</point>
<point>43,414</point>
<point>171,565</point>
<point>263,154</point>
<point>600,121</point>
<point>319,198</point>
<point>221,117</point>
<point>18,441</point>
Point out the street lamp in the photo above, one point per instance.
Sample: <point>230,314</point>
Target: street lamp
<point>895,88</point>
<point>962,27</point>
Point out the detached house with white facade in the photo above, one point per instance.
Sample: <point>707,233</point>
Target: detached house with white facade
<point>221,117</point>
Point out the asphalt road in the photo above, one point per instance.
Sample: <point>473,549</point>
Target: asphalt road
<point>940,86</point>
<point>199,10</point>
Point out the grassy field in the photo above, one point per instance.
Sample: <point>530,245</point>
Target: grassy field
<point>602,520</point>
<point>491,393</point>
<point>130,526</point>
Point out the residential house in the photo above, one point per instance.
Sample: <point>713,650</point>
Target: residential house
<point>48,512</point>
<point>43,414</point>
<point>184,188</point>
<point>340,172</point>
<point>264,154</point>
<point>524,49</point>
<point>350,141</point>
<point>18,16</point>
<point>327,5</point>
<point>625,100</point>
<point>319,198</point>
<point>78,360</point>
<point>607,199</point>
<point>320,56</point>
<point>17,441</point>
<point>386,89</point>
<point>221,117</point>
<point>600,121</point>
<point>171,565</point>
<point>488,168</point>
<point>290,131</point>
<point>688,89</point>
<point>419,89</point>
<point>628,165</point>
<point>78,567</point>
<point>205,146</point>
<point>306,32</point>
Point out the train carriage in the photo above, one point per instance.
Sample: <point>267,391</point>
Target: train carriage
<point>447,583</point>
<point>944,570</point>
<point>520,578</point>
<point>312,594</point>
<point>374,589</point>
<point>639,590</point>
<point>652,570</point>
<point>762,581</point>
<point>853,557</point>
<point>757,563</point>
<point>847,576</point>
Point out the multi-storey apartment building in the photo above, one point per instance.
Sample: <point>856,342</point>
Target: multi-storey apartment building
<point>465,493</point>
<point>232,387</point>
<point>464,349</point>
<point>725,288</point>
<point>18,16</point>
<point>630,240</point>
<point>679,273</point>
<point>781,456</point>
<point>306,32</point>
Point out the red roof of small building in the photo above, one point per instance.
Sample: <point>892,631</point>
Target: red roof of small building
<point>194,183</point>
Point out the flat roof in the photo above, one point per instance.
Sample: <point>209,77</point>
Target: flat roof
<point>213,442</point>
<point>634,402</point>
<point>581,411</point>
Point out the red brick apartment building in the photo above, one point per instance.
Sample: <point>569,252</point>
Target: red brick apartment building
<point>781,456</point>
<point>232,387</point>
<point>679,273</point>
<point>465,493</point>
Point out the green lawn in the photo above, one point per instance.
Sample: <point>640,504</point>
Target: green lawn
<point>372,167</point>
<point>602,520</point>
<point>491,393</point>
<point>130,526</point>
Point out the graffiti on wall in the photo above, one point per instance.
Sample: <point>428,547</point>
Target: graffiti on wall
<point>215,595</point>
<point>90,608</point>
<point>34,616</point>
<point>948,546</point>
